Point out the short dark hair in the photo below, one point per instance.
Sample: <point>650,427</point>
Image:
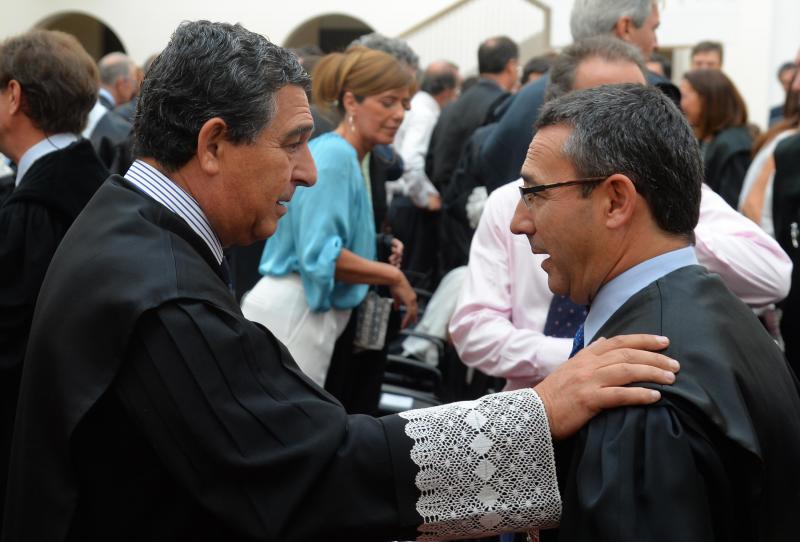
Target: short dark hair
<point>637,131</point>
<point>538,65</point>
<point>722,105</point>
<point>58,78</point>
<point>437,81</point>
<point>210,70</point>
<point>495,53</point>
<point>562,73</point>
<point>708,47</point>
<point>666,65</point>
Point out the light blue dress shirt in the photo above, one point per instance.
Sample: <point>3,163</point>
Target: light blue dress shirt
<point>49,144</point>
<point>334,214</point>
<point>618,290</point>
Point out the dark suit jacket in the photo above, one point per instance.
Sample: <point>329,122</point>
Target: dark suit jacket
<point>456,124</point>
<point>112,139</point>
<point>785,212</point>
<point>726,160</point>
<point>716,458</point>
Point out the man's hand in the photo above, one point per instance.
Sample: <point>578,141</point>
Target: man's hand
<point>593,380</point>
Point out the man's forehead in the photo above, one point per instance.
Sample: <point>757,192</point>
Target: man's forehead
<point>545,151</point>
<point>595,71</point>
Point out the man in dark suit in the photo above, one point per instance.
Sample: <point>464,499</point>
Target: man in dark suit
<point>786,217</point>
<point>503,152</point>
<point>611,194</point>
<point>109,132</point>
<point>498,62</point>
<point>43,105</point>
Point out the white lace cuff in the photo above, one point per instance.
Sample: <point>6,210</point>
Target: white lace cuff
<point>485,466</point>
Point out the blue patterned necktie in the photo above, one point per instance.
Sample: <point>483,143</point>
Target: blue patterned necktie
<point>577,342</point>
<point>564,317</point>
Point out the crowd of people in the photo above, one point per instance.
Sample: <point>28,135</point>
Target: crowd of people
<point>206,264</point>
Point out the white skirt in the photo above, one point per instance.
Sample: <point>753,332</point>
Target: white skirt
<point>279,304</point>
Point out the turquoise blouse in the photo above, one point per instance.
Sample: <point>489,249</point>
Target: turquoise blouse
<point>335,213</point>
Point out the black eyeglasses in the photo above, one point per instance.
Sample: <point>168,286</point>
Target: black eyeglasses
<point>528,193</point>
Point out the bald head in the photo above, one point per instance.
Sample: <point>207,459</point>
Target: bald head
<point>441,80</point>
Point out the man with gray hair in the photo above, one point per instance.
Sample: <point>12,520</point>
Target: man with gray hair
<point>611,197</point>
<point>108,131</point>
<point>633,21</point>
<point>156,411</point>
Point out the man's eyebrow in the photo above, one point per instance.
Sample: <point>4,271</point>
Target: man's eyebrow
<point>300,130</point>
<point>527,179</point>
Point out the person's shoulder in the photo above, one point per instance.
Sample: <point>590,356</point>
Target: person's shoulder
<point>331,144</point>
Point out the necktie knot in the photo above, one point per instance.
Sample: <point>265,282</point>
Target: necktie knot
<point>577,341</point>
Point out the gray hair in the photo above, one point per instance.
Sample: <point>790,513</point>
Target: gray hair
<point>637,131</point>
<point>113,66</point>
<point>210,70</point>
<point>562,73</point>
<point>597,17</point>
<point>393,46</point>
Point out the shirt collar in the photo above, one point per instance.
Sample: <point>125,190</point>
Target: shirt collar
<point>97,113</point>
<point>618,290</point>
<point>426,101</point>
<point>107,95</point>
<point>162,189</point>
<point>47,145</point>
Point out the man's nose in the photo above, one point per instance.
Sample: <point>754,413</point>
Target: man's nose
<point>305,172</point>
<point>522,222</point>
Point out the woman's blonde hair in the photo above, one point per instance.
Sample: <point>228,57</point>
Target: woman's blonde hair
<point>362,71</point>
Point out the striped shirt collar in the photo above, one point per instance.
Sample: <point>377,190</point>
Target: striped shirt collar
<point>159,187</point>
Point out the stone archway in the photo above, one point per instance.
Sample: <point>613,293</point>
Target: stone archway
<point>330,32</point>
<point>97,37</point>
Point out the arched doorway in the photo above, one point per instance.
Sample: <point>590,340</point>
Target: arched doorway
<point>332,32</point>
<point>96,37</point>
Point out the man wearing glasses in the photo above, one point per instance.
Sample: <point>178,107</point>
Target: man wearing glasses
<point>611,196</point>
<point>507,322</point>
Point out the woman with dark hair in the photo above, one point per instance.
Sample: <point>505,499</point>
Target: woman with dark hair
<point>321,261</point>
<point>716,111</point>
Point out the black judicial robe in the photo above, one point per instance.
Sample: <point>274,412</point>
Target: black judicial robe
<point>33,220</point>
<point>151,409</point>
<point>716,458</point>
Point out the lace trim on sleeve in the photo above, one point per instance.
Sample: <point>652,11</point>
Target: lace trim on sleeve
<point>485,466</point>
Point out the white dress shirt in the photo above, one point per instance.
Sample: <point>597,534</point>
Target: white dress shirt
<point>500,316</point>
<point>411,142</point>
<point>753,172</point>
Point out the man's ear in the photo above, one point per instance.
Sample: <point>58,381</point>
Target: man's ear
<point>209,140</point>
<point>620,200</point>
<point>13,95</point>
<point>623,27</point>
